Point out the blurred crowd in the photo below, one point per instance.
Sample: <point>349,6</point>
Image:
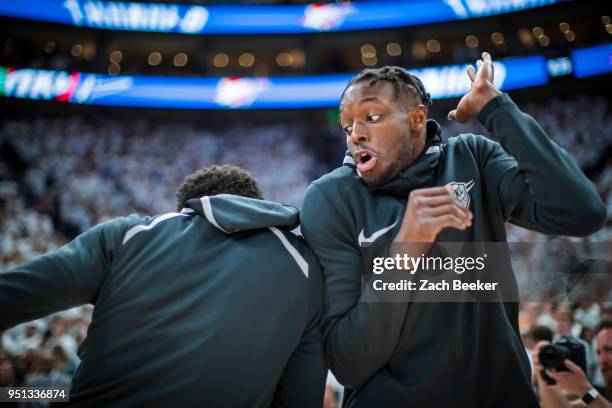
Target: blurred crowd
<point>43,353</point>
<point>61,175</point>
<point>581,334</point>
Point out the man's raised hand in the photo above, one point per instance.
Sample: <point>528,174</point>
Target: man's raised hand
<point>482,90</point>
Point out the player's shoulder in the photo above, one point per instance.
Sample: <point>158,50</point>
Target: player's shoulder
<point>305,254</point>
<point>336,177</point>
<point>466,139</point>
<point>336,183</point>
<point>295,238</point>
<point>477,144</point>
<point>114,229</point>
<point>128,221</point>
<point>110,232</point>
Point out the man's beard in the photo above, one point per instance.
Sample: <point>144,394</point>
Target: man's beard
<point>403,160</point>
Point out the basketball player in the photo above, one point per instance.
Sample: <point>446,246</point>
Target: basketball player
<point>394,186</point>
<point>217,305</point>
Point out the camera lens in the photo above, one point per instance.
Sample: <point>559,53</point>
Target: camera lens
<point>551,357</point>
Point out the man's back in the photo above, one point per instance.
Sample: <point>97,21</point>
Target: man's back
<point>194,307</point>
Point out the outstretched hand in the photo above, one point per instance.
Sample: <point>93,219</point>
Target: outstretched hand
<point>482,91</point>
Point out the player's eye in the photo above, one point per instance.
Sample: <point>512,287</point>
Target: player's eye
<point>347,129</point>
<point>373,118</point>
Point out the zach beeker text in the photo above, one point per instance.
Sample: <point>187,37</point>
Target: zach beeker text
<point>423,263</point>
<point>425,285</point>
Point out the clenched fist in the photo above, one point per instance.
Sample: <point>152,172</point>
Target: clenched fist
<point>428,212</point>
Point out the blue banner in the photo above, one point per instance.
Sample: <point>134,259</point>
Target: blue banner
<point>592,61</point>
<point>186,19</point>
<point>240,93</point>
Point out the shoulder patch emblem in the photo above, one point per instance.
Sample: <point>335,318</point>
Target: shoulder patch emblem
<point>461,191</point>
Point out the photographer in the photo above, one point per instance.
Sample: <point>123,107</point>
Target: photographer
<point>574,382</point>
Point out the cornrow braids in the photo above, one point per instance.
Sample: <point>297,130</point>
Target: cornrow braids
<point>404,83</point>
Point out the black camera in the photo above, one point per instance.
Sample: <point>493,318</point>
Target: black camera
<point>552,356</point>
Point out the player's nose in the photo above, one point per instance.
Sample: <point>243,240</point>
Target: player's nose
<point>359,134</point>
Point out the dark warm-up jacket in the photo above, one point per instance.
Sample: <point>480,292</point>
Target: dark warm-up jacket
<point>420,354</point>
<point>216,306</point>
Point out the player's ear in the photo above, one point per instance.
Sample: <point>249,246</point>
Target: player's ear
<point>417,118</point>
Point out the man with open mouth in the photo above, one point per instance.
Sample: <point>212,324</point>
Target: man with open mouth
<point>399,183</point>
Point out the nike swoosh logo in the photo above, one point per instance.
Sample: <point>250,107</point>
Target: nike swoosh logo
<point>362,239</point>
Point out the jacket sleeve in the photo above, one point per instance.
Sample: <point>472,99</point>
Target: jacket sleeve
<point>64,278</point>
<point>303,381</point>
<point>359,337</point>
<point>530,180</point>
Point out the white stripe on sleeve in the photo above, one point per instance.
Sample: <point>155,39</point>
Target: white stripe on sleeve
<point>294,252</point>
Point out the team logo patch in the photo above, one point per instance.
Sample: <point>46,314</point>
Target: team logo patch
<point>326,17</point>
<point>461,192</point>
<point>236,92</point>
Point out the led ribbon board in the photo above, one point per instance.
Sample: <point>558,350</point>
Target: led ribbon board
<point>240,93</point>
<point>186,19</point>
<point>592,61</point>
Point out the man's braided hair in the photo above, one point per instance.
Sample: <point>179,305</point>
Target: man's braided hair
<point>404,83</point>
